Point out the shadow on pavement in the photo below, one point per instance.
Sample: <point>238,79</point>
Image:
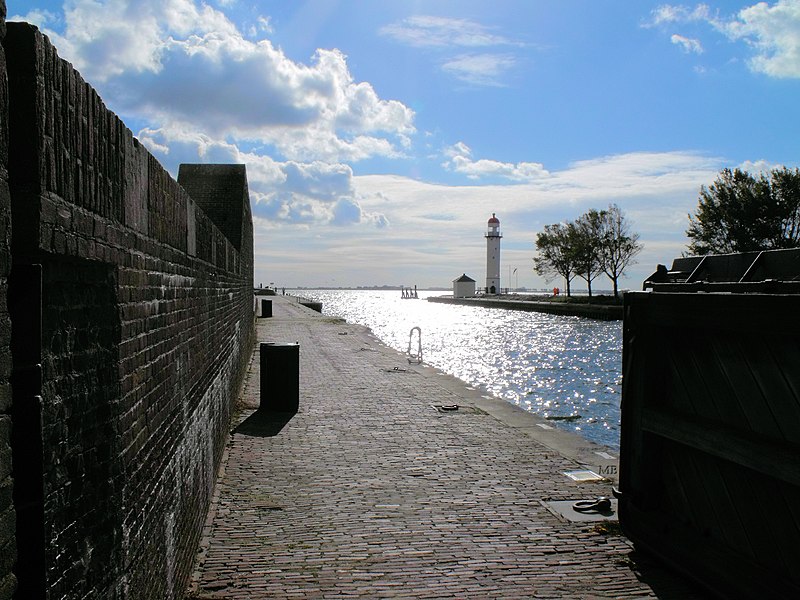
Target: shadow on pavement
<point>264,424</point>
<point>665,582</point>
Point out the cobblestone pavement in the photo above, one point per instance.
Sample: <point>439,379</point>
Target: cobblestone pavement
<point>369,492</point>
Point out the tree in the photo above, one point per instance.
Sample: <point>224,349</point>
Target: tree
<point>742,213</point>
<point>619,245</point>
<point>785,188</point>
<point>588,246</point>
<point>555,253</point>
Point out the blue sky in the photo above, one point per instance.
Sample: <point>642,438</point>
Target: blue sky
<point>379,137</point>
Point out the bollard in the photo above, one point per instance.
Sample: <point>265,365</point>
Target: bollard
<point>280,377</point>
<point>266,308</point>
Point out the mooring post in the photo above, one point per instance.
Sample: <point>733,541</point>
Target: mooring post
<point>266,308</point>
<point>280,377</point>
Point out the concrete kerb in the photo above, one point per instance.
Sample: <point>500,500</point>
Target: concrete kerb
<point>584,453</point>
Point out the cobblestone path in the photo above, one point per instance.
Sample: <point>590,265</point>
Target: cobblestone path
<point>369,492</point>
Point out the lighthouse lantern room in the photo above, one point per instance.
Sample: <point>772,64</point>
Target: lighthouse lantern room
<point>493,256</point>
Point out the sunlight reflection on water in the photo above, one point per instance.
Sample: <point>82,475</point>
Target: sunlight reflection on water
<point>567,369</point>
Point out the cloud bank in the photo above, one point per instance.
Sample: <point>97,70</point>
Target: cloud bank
<point>210,94</point>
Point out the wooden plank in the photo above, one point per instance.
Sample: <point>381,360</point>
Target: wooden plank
<point>791,499</point>
<point>746,314</point>
<point>771,458</point>
<point>773,518</point>
<point>790,358</point>
<point>770,368</point>
<point>635,354</point>
<point>680,504</point>
<point>738,368</point>
<point>695,488</point>
<point>677,393</point>
<point>731,512</point>
<point>729,401</point>
<point>694,378</point>
<point>755,522</point>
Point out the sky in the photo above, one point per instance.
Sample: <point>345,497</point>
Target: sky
<point>380,137</point>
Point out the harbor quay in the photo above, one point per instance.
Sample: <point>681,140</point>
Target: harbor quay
<point>606,312</point>
<point>396,480</point>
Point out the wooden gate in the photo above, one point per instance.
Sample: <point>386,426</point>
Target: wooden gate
<point>710,442</point>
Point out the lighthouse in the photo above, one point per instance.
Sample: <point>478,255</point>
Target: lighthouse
<point>493,256</point>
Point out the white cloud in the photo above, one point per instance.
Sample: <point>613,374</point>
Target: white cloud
<point>39,17</point>
<point>210,95</point>
<point>688,44</point>
<point>480,69</point>
<point>108,39</point>
<point>773,32</point>
<point>265,24</point>
<point>251,91</point>
<point>345,212</point>
<point>448,34</point>
<point>430,31</point>
<point>757,166</point>
<point>179,62</point>
<point>667,13</point>
<point>290,192</point>
<point>459,159</point>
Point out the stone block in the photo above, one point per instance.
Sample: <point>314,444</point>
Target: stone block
<point>5,397</point>
<point>7,524</point>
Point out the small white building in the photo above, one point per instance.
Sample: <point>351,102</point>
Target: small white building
<point>463,287</point>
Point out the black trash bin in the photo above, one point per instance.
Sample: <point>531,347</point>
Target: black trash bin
<point>266,308</point>
<point>280,377</point>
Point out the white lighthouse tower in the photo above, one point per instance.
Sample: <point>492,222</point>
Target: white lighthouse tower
<point>493,256</point>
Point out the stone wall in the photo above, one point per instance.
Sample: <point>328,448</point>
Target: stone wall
<point>8,548</point>
<point>141,317</point>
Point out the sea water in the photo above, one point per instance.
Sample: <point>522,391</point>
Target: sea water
<point>565,369</point>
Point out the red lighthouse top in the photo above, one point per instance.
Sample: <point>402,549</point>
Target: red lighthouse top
<point>494,219</point>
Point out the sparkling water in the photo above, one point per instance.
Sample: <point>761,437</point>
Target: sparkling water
<point>566,369</point>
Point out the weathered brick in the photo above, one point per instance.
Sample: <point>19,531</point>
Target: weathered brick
<point>134,333</point>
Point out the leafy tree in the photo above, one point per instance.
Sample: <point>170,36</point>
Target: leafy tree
<point>742,213</point>
<point>619,245</point>
<point>555,253</point>
<point>588,246</point>
<point>785,188</point>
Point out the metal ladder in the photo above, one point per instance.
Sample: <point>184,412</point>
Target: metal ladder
<point>412,355</point>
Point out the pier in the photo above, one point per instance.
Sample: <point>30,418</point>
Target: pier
<point>379,487</point>
<point>607,312</point>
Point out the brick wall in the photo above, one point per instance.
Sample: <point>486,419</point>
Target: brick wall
<point>146,328</point>
<point>7,515</point>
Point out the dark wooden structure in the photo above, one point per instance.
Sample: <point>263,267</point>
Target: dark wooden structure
<point>710,444</point>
